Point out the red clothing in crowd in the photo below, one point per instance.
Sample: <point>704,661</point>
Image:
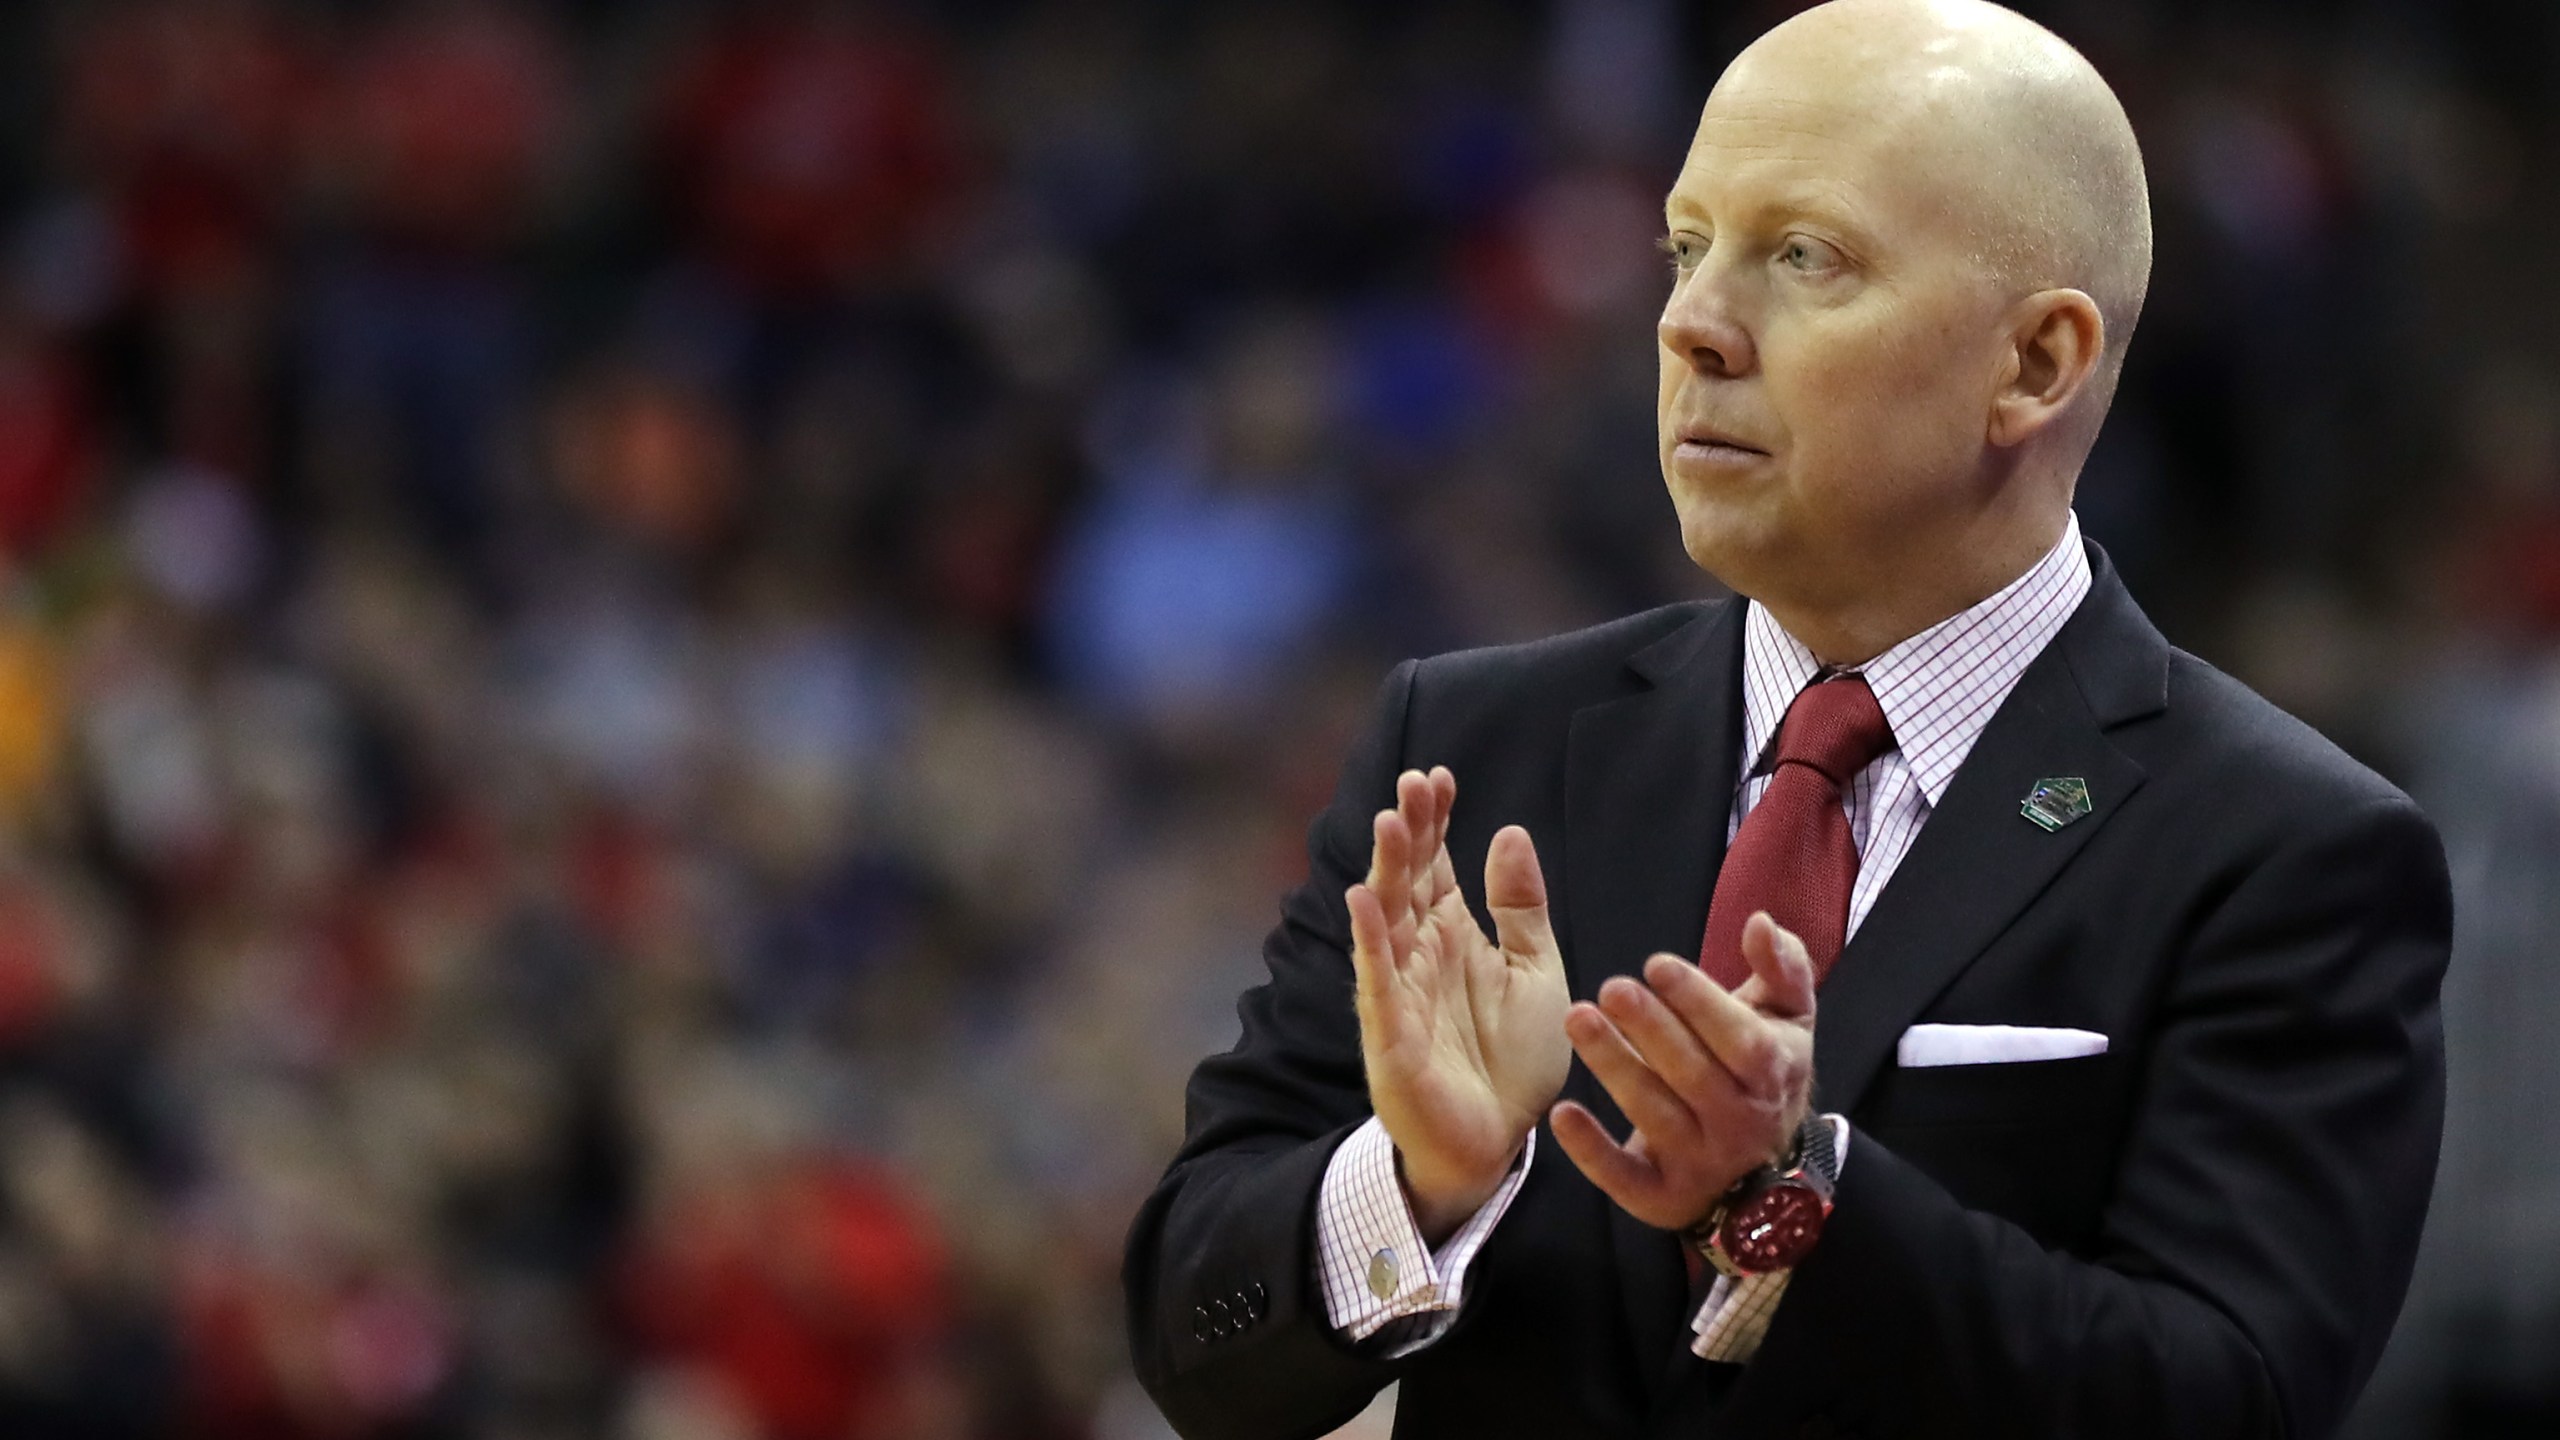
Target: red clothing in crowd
<point>808,1299</point>
<point>812,155</point>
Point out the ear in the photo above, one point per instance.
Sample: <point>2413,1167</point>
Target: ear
<point>2052,354</point>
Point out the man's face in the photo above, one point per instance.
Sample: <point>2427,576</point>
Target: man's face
<point>1830,346</point>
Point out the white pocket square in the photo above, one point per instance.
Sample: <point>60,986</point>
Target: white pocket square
<point>1924,1045</point>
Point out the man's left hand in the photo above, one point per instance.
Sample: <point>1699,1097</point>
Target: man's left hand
<point>1715,1081</point>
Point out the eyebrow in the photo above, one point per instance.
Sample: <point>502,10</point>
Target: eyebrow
<point>1817,203</point>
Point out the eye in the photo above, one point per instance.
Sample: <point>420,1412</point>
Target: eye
<point>1685,250</point>
<point>1808,255</point>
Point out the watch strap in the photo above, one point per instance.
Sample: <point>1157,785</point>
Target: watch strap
<point>1818,1150</point>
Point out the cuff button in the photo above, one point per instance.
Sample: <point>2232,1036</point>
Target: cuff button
<point>1383,1274</point>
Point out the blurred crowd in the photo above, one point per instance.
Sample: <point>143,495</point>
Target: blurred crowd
<point>659,662</point>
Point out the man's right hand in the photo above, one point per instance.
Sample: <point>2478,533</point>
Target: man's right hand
<point>1463,1036</point>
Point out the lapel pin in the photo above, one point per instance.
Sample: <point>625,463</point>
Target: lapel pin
<point>2056,802</point>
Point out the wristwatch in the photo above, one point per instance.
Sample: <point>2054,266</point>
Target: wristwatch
<point>1769,1220</point>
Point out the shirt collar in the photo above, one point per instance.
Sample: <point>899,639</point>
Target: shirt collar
<point>1939,688</point>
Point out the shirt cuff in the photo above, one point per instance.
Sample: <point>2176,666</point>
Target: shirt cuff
<point>1371,1259</point>
<point>1735,1319</point>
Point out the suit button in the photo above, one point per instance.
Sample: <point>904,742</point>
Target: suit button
<point>1259,1300</point>
<point>1200,1323</point>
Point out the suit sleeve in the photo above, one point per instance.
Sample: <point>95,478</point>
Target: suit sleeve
<point>2262,1227</point>
<point>1228,1328</point>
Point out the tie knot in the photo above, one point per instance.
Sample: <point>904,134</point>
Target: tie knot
<point>1836,727</point>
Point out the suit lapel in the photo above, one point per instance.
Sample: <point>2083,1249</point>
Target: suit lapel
<point>1648,790</point>
<point>1978,861</point>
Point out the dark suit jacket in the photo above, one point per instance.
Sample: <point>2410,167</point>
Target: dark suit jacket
<point>2205,1231</point>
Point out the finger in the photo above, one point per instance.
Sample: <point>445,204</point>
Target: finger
<point>1736,1036</point>
<point>1430,792</point>
<point>1372,958</point>
<point>1621,1174</point>
<point>1444,802</point>
<point>1664,1040</point>
<point>1515,890</point>
<point>1394,885</point>
<point>1643,1095</point>
<point>1780,962</point>
<point>1414,806</point>
<point>1390,859</point>
<point>1415,802</point>
<point>1384,1020</point>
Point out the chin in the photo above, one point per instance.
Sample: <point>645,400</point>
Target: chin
<point>1725,545</point>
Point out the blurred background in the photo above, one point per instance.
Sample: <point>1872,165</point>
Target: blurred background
<point>659,663</point>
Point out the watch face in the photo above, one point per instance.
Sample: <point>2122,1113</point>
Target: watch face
<point>1775,1228</point>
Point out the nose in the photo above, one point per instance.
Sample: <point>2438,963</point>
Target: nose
<point>1704,326</point>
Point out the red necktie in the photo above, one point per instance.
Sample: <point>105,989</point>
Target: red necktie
<point>1793,856</point>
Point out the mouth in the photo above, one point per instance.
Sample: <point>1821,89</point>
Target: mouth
<point>1701,443</point>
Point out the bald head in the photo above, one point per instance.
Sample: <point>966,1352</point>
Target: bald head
<point>2029,145</point>
<point>1910,241</point>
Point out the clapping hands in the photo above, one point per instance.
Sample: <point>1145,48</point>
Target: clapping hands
<point>1467,1038</point>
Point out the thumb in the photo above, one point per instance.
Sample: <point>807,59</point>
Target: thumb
<point>1781,965</point>
<point>1515,890</point>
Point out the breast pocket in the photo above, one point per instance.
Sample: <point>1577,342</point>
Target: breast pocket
<point>2032,1141</point>
<point>2012,1092</point>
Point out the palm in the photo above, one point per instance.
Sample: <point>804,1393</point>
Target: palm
<point>1463,1035</point>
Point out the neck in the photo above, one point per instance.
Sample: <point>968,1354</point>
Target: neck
<point>1856,629</point>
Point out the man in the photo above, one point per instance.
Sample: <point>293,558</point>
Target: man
<point>2061,1054</point>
